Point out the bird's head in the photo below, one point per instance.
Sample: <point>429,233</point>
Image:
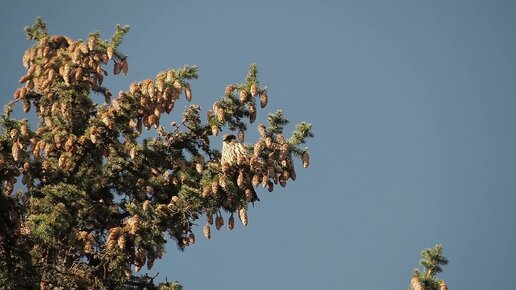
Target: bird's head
<point>228,138</point>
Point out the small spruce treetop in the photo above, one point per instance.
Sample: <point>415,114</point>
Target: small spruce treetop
<point>426,279</point>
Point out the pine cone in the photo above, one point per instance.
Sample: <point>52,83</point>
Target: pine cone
<point>188,92</point>
<point>121,242</point>
<point>207,231</point>
<point>263,99</point>
<point>215,130</point>
<point>415,283</point>
<point>17,151</point>
<point>256,180</point>
<point>442,285</point>
<point>231,222</point>
<point>241,179</point>
<point>254,90</point>
<point>229,89</point>
<point>306,159</point>
<point>242,214</point>
<point>241,136</point>
<point>243,96</point>
<point>215,187</point>
<point>252,113</point>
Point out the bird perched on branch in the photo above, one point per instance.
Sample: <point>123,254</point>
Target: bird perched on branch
<point>232,150</point>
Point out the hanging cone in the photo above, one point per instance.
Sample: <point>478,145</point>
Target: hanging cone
<point>241,179</point>
<point>252,113</point>
<point>415,283</point>
<point>243,96</point>
<point>256,180</point>
<point>231,222</point>
<point>17,151</point>
<point>443,286</point>
<point>207,231</point>
<point>229,89</point>
<point>242,214</point>
<point>188,92</point>
<point>254,90</point>
<point>241,136</point>
<point>263,99</point>
<point>306,159</point>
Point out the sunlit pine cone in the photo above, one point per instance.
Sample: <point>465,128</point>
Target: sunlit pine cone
<point>442,285</point>
<point>284,153</point>
<point>147,206</point>
<point>249,196</point>
<point>191,238</point>
<point>306,159</point>
<point>254,90</point>
<point>207,231</point>
<point>252,113</point>
<point>215,130</point>
<point>241,179</point>
<point>220,114</point>
<point>26,58</point>
<point>225,166</point>
<point>151,90</point>
<point>281,139</point>
<point>268,142</point>
<point>24,130</point>
<point>265,180</point>
<point>256,180</point>
<point>17,151</point>
<point>229,89</point>
<point>188,92</point>
<point>244,97</point>
<point>415,282</point>
<point>258,148</point>
<point>242,160</point>
<point>134,88</point>
<point>170,76</point>
<point>92,43</point>
<point>110,52</point>
<point>134,224</point>
<point>199,167</point>
<point>14,133</point>
<point>215,187</point>
<point>206,191</point>
<point>121,242</point>
<point>69,144</point>
<point>242,215</point>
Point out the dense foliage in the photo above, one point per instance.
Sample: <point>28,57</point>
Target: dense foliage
<point>86,201</point>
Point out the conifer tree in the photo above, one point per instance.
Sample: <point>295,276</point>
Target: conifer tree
<point>426,279</point>
<point>96,200</point>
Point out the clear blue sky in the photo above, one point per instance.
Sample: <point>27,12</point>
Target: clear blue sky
<point>413,105</point>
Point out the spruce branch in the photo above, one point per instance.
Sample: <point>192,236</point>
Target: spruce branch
<point>118,35</point>
<point>37,31</point>
<point>277,122</point>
